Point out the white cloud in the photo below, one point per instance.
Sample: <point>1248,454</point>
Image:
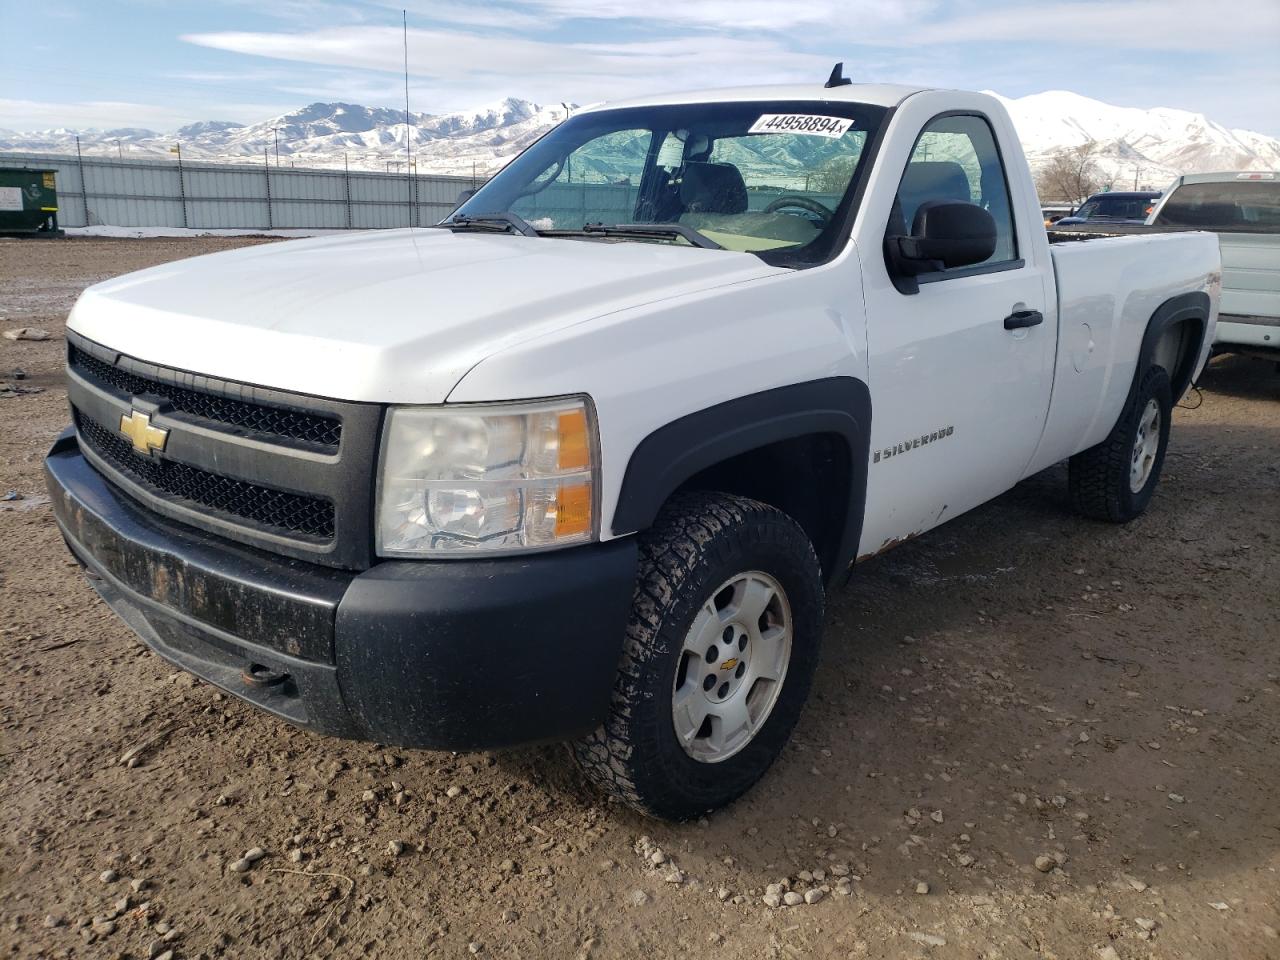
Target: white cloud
<point>302,12</point>
<point>838,17</point>
<point>102,114</point>
<point>457,62</point>
<point>729,16</point>
<point>465,52</point>
<point>1129,24</point>
<point>481,52</point>
<point>469,14</point>
<point>1189,25</point>
<point>37,115</point>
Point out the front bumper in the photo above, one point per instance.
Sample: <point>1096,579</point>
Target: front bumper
<point>455,655</point>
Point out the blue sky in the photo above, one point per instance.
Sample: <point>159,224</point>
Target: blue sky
<point>162,63</point>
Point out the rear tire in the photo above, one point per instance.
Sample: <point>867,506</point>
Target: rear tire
<point>695,718</point>
<point>1116,479</point>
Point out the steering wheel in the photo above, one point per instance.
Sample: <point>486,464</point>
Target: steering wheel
<point>823,212</point>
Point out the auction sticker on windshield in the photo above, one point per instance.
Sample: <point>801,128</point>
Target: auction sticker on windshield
<point>814,126</point>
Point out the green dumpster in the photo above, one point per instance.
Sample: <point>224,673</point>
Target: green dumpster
<point>28,202</point>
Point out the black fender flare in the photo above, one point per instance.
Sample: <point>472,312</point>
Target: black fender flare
<point>674,453</point>
<point>1193,306</point>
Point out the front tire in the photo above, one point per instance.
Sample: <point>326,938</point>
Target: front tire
<point>718,659</point>
<point>1116,479</point>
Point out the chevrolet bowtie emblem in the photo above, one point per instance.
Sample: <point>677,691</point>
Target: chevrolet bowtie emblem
<point>137,427</point>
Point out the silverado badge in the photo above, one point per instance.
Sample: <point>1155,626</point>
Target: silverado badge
<point>914,443</point>
<point>146,438</point>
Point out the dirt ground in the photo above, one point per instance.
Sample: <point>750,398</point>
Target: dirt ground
<point>1018,684</point>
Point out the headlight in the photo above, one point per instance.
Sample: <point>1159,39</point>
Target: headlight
<point>472,479</point>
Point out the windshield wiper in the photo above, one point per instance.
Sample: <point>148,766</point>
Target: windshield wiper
<point>501,222</point>
<point>651,231</point>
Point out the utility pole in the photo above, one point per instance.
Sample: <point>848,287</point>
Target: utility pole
<point>266,172</point>
<point>119,152</point>
<point>408,137</point>
<point>84,187</point>
<point>346,187</point>
<point>182,186</point>
<point>276,132</point>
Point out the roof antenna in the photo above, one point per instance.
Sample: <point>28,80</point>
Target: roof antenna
<point>837,78</point>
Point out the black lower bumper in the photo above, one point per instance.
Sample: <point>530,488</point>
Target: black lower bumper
<point>456,655</point>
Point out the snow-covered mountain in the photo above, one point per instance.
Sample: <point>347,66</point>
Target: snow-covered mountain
<point>322,134</point>
<point>1153,145</point>
<point>1156,145</point>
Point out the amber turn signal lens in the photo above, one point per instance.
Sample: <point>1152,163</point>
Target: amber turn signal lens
<point>573,510</point>
<point>574,445</point>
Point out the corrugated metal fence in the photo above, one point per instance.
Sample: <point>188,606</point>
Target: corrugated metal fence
<point>157,193</point>
<point>573,204</point>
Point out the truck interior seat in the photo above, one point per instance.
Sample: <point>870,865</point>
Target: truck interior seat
<point>931,180</point>
<point>1207,215</point>
<point>713,188</point>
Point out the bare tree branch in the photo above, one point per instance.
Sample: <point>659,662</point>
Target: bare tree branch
<point>1071,174</point>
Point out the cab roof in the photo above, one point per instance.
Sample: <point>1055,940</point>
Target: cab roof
<point>877,94</point>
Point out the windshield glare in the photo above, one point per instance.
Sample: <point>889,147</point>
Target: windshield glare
<point>759,176</point>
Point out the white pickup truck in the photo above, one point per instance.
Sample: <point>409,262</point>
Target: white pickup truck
<point>1244,210</point>
<point>581,462</point>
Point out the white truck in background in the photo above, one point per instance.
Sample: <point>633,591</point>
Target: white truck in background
<point>1243,209</point>
<point>581,462</point>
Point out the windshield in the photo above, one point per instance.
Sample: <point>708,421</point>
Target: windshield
<point>1238,206</point>
<point>1118,208</point>
<point>764,177</point>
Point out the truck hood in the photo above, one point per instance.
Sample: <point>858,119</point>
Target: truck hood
<point>393,316</point>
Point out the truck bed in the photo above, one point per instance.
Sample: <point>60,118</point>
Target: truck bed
<point>1107,292</point>
<point>1075,232</point>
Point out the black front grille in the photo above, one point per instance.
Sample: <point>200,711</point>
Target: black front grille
<point>279,422</point>
<point>274,511</point>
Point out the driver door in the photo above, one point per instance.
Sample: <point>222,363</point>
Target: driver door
<point>960,390</point>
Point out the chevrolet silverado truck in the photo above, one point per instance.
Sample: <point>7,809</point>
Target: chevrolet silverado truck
<point>581,462</point>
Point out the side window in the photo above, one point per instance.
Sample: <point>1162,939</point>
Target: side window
<point>597,182</point>
<point>955,158</point>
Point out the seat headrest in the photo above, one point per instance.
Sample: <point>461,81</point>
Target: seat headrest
<point>1204,215</point>
<point>713,188</point>
<point>932,180</point>
<point>941,179</point>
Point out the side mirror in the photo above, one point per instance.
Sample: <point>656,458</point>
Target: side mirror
<point>463,197</point>
<point>946,234</point>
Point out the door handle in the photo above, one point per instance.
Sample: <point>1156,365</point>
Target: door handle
<point>1023,318</point>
